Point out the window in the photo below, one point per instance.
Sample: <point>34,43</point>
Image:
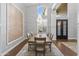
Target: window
<point>41,23</point>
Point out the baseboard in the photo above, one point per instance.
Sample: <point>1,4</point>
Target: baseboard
<point>72,38</point>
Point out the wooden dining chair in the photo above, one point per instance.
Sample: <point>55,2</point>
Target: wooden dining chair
<point>28,35</point>
<point>50,36</point>
<point>31,34</point>
<point>40,45</point>
<point>30,43</point>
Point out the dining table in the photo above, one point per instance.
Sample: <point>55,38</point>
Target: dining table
<point>32,40</point>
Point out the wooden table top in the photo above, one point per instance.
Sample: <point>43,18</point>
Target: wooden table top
<point>40,36</point>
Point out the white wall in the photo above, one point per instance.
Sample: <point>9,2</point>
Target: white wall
<point>72,21</point>
<point>53,23</point>
<point>78,27</point>
<point>49,20</point>
<point>30,24</point>
<point>31,18</point>
<point>61,17</point>
<point>54,17</point>
<point>0,25</point>
<point>4,46</point>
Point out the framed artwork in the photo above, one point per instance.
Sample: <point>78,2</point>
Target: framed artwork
<point>14,23</point>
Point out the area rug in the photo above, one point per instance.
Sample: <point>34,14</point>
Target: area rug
<point>54,51</point>
<point>71,45</point>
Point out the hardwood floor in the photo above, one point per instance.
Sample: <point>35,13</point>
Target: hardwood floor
<point>15,50</point>
<point>64,49</point>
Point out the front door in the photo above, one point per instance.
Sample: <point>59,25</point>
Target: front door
<point>61,29</point>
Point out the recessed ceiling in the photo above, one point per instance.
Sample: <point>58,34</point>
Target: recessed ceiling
<point>62,8</point>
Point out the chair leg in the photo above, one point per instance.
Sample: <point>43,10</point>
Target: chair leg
<point>28,47</point>
<point>44,53</point>
<point>50,47</point>
<point>35,53</point>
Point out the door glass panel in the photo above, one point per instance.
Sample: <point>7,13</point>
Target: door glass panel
<point>59,27</point>
<point>64,27</point>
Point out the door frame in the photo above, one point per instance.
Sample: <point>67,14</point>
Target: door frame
<point>66,29</point>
